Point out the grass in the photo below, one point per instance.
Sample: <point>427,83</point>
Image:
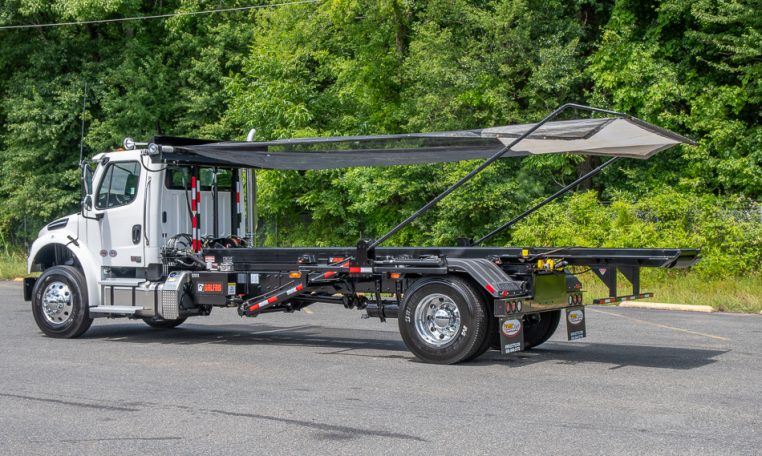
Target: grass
<point>729,294</point>
<point>12,264</point>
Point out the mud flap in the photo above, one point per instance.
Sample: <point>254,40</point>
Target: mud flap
<point>511,334</point>
<point>575,323</point>
<point>28,287</point>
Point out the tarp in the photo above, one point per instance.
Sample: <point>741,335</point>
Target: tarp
<point>624,137</point>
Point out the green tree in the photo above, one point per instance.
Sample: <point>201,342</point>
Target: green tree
<point>692,66</point>
<point>140,75</point>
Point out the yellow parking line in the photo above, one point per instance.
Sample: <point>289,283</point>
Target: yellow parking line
<point>659,325</point>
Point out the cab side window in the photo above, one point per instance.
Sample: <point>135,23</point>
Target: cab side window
<point>119,185</point>
<point>179,178</point>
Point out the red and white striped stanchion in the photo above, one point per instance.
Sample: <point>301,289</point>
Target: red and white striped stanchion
<point>195,219</point>
<point>194,210</point>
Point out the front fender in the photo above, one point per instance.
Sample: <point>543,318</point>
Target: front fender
<point>49,240</point>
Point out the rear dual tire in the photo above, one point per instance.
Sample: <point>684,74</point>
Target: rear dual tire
<point>538,332</point>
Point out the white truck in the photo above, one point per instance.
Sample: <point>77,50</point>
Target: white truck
<point>165,233</point>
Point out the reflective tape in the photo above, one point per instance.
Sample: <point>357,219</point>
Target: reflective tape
<point>273,299</point>
<point>296,289</point>
<point>622,298</point>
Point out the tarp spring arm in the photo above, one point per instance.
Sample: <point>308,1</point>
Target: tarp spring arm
<point>485,164</point>
<point>547,200</point>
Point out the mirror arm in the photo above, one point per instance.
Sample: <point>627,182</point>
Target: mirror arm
<point>96,216</point>
<point>84,206</point>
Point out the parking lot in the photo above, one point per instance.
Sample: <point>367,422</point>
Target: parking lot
<point>328,382</point>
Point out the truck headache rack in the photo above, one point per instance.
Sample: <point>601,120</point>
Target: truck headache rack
<point>192,251</point>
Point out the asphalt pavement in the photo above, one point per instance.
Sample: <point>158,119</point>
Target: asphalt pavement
<point>328,382</point>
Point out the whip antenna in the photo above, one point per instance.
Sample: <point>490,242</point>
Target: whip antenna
<point>82,126</point>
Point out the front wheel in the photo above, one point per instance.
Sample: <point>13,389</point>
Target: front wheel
<point>443,320</point>
<point>60,304</point>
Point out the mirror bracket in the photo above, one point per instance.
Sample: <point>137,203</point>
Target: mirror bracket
<point>87,205</point>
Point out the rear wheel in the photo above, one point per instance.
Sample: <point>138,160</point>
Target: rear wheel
<point>60,302</point>
<point>538,330</point>
<point>159,323</point>
<point>489,339</point>
<point>443,320</point>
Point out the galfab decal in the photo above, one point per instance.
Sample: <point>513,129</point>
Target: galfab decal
<point>209,287</point>
<point>575,317</point>
<point>511,327</point>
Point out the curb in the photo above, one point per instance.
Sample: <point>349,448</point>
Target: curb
<point>663,306</point>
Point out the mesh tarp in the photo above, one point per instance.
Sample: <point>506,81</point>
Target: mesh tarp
<point>625,137</point>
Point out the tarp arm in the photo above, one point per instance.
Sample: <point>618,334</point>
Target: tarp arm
<point>547,200</point>
<point>486,163</point>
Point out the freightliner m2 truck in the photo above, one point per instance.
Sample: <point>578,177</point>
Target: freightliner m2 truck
<point>165,233</point>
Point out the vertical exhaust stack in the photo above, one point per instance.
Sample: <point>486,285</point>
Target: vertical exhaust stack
<point>251,195</point>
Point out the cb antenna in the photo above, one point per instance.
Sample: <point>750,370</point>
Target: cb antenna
<point>82,127</point>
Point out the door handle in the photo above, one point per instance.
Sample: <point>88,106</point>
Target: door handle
<point>136,234</point>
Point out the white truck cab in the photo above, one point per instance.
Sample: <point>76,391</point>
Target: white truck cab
<point>104,253</point>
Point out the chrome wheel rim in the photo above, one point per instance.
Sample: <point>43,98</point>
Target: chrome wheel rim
<point>57,303</point>
<point>437,320</point>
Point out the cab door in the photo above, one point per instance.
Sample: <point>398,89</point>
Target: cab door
<point>120,199</point>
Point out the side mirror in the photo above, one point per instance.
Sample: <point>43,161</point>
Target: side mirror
<point>87,179</point>
<point>87,203</point>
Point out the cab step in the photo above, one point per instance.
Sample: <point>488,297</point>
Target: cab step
<point>121,310</point>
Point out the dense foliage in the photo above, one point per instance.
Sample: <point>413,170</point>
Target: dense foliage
<point>362,67</point>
